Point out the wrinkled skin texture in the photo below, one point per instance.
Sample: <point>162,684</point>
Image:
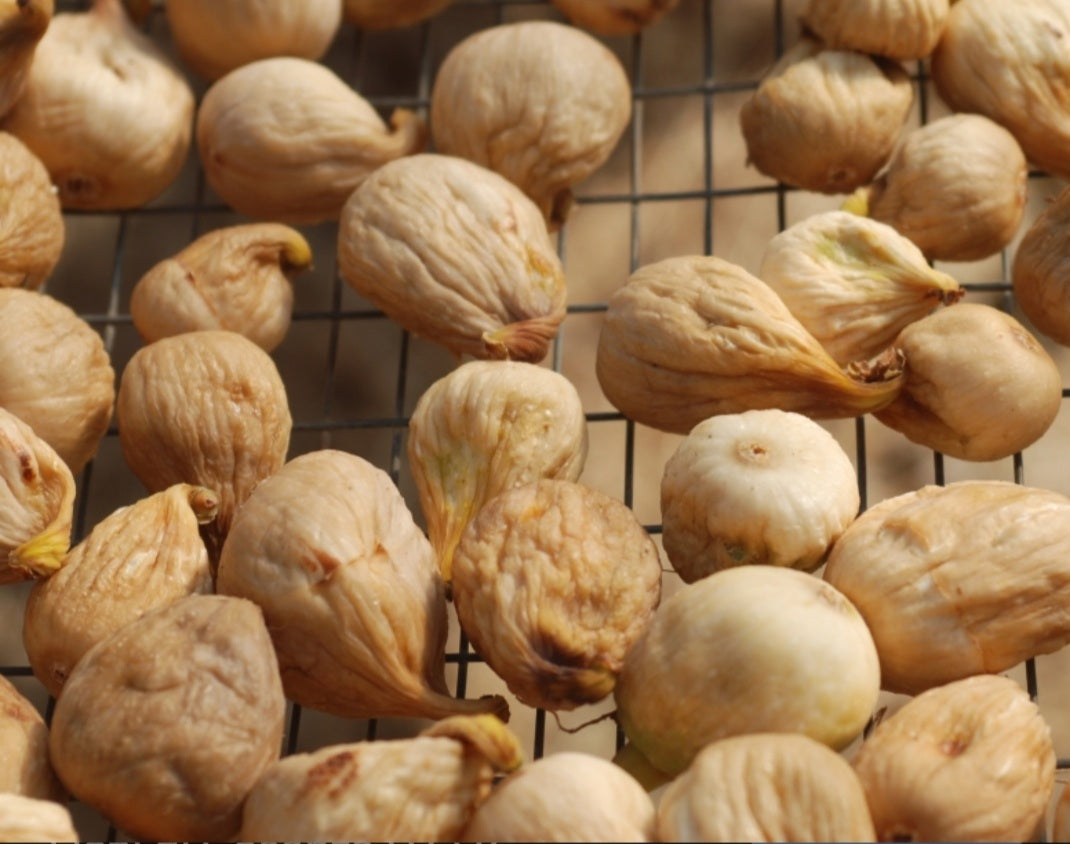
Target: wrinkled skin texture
<point>957,580</point>
<point>897,29</point>
<point>553,582</point>
<point>484,428</point>
<point>615,17</point>
<point>1041,270</point>
<point>456,254</point>
<point>55,374</point>
<point>140,557</point>
<point>763,487</point>
<point>391,14</point>
<point>105,110</point>
<point>541,103</point>
<point>33,819</point>
<point>766,787</point>
<point>349,587</point>
<point>22,25</point>
<point>24,764</point>
<point>32,231</point>
<point>286,140</point>
<point>165,725</point>
<point>972,760</point>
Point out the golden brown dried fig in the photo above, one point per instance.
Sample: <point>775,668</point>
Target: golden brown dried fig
<point>1041,271</point>
<point>897,29</point>
<point>454,253</point>
<point>285,139</point>
<point>207,408</point>
<point>33,819</point>
<point>142,556</point>
<point>391,14</point>
<point>23,24</point>
<point>615,17</point>
<point>32,231</point>
<point>350,589</point>
<point>765,787</point>
<point>414,789</point>
<point>24,764</point>
<point>826,120</point>
<point>236,278</point>
<point>540,102</point>
<point>956,187</point>
<point>55,373</point>
<point>553,582</point>
<point>691,337</point>
<point>37,493</point>
<point>977,384</point>
<point>105,109</point>
<point>165,725</point>
<point>969,761</point>
<point>957,580</point>
<point>484,428</point>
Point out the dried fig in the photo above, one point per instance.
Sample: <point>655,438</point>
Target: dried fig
<point>24,764</point>
<point>540,102</point>
<point>853,283</point>
<point>969,761</point>
<point>766,787</point>
<point>615,17</point>
<point>897,29</point>
<point>236,278</point>
<point>33,819</point>
<point>454,253</point>
<point>142,556</point>
<point>759,487</point>
<point>826,120</point>
<point>32,231</point>
<point>747,650</point>
<point>691,337</point>
<point>391,14</point>
<point>55,373</point>
<point>484,428</point>
<point>414,789</point>
<point>1040,271</point>
<point>553,583</point>
<point>957,580</point>
<point>350,589</point>
<point>23,24</point>
<point>165,725</point>
<point>977,384</point>
<point>285,139</point>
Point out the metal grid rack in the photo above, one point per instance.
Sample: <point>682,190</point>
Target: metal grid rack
<point>678,183</point>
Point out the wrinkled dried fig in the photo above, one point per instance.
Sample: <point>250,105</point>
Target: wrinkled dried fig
<point>285,139</point>
<point>236,278</point>
<point>32,231</point>
<point>826,120</point>
<point>454,253</point>
<point>853,283</point>
<point>615,17</point>
<point>897,29</point>
<point>165,725</point>
<point>415,789</point>
<point>23,24</point>
<point>1040,271</point>
<point>540,102</point>
<point>24,764</point>
<point>55,373</point>
<point>350,589</point>
<point>760,487</point>
<point>33,819</point>
<point>484,428</point>
<point>391,14</point>
<point>584,561</point>
<point>956,580</point>
<point>969,761</point>
<point>691,337</point>
<point>142,556</point>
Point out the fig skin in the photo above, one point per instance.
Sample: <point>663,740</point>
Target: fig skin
<point>32,229</point>
<point>1040,272</point>
<point>25,818</point>
<point>615,17</point>
<point>25,767</point>
<point>896,29</point>
<point>23,24</point>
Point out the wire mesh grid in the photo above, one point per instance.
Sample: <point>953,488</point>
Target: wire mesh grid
<point>678,183</point>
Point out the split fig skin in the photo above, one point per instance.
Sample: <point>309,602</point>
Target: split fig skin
<point>23,24</point>
<point>391,14</point>
<point>1040,271</point>
<point>32,229</point>
<point>26,768</point>
<point>896,29</point>
<point>615,17</point>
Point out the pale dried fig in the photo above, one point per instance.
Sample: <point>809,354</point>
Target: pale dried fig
<point>553,582</point>
<point>956,187</point>
<point>456,254</point>
<point>37,493</point>
<point>236,278</point>
<point>691,337</point>
<point>285,139</point>
<point>207,408</point>
<point>977,385</point>
<point>853,283</point>
<point>413,789</point>
<point>32,231</point>
<point>766,787</point>
<point>747,650</point>
<point>165,725</point>
<point>540,102</point>
<point>615,17</point>
<point>350,589</point>
<point>760,487</point>
<point>484,428</point>
<point>972,760</point>
<point>140,557</point>
<point>23,24</point>
<point>33,819</point>
<point>391,14</point>
<point>957,580</point>
<point>897,29</point>
<point>105,109</point>
<point>215,36</point>
<point>1040,271</point>
<point>826,120</point>
<point>24,764</point>
<point>55,373</point>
